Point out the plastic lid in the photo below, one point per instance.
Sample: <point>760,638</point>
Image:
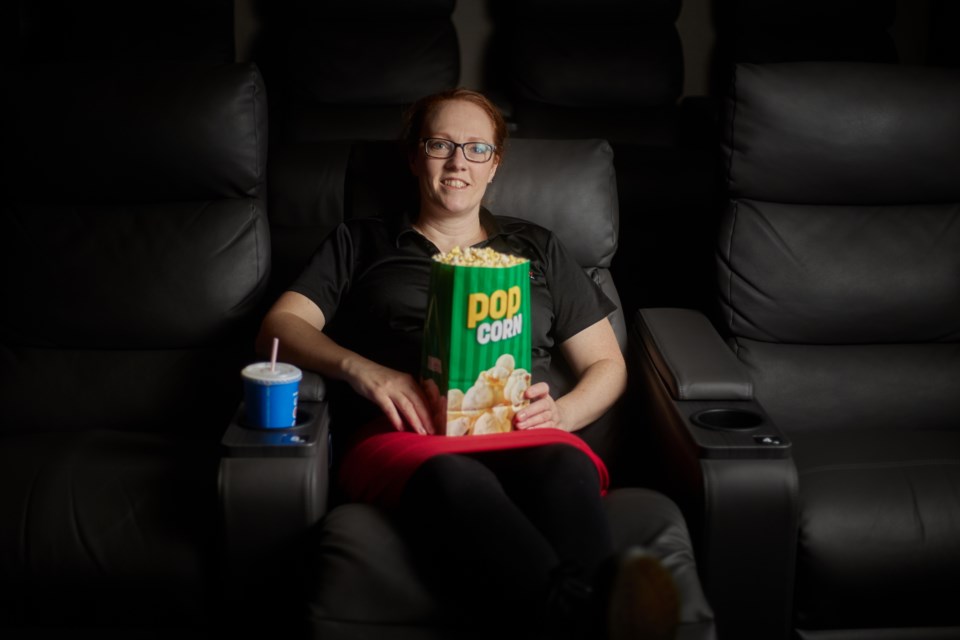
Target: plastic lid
<point>260,372</point>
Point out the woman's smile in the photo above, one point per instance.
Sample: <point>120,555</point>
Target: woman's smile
<point>455,185</point>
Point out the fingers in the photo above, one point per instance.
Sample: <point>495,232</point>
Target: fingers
<point>415,412</point>
<point>539,414</point>
<point>537,391</point>
<point>403,404</point>
<point>391,412</point>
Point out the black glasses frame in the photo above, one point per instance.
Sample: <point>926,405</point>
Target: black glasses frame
<point>461,145</point>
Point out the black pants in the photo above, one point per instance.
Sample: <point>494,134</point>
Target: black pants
<point>506,527</point>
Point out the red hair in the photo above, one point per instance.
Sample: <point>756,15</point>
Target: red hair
<point>418,113</point>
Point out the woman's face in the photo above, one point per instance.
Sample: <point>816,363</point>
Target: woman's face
<point>454,185</point>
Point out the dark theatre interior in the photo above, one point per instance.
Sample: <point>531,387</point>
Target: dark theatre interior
<point>769,189</point>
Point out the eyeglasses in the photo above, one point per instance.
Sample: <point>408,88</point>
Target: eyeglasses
<point>472,151</point>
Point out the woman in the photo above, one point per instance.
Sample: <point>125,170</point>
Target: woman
<point>515,514</point>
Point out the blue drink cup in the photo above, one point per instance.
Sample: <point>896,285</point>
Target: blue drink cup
<point>270,396</point>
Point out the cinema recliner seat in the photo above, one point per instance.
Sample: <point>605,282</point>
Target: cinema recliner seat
<point>347,70</point>
<point>133,258</point>
<point>360,578</point>
<point>614,70</point>
<point>812,437</point>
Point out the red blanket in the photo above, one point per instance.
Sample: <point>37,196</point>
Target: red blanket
<point>376,468</point>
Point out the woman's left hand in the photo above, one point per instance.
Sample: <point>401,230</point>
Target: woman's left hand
<point>542,411</point>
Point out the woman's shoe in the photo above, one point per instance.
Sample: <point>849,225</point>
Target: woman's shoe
<point>643,602</point>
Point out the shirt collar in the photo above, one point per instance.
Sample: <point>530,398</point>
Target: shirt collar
<point>404,225</point>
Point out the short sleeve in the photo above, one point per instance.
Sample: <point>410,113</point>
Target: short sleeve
<point>327,277</point>
<point>578,301</point>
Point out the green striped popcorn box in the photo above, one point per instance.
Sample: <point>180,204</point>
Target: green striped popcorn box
<point>476,357</point>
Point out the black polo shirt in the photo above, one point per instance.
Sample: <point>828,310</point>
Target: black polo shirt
<point>370,278</point>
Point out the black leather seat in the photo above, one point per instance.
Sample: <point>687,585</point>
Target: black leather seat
<point>133,260</point>
<point>108,30</point>
<point>769,31</point>
<point>581,69</point>
<point>614,71</point>
<point>347,70</point>
<point>360,576</point>
<point>830,508</point>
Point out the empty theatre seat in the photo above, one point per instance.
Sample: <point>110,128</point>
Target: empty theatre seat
<point>812,436</point>
<point>769,31</point>
<point>575,69</point>
<point>347,70</point>
<point>173,30</point>
<point>133,256</point>
<point>615,71</point>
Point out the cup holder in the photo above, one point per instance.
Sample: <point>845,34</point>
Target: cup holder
<point>727,419</point>
<point>303,418</point>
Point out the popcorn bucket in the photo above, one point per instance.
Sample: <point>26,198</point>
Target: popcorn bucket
<point>476,358</point>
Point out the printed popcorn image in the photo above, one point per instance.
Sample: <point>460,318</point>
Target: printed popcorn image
<point>475,366</point>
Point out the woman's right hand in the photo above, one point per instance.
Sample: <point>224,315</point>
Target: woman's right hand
<point>399,395</point>
<point>299,323</point>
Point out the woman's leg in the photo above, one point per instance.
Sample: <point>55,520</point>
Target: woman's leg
<point>557,487</point>
<point>474,538</point>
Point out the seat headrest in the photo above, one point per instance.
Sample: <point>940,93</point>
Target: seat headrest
<point>135,205</point>
<point>839,133</point>
<point>102,133</point>
<point>398,51</point>
<point>567,186</point>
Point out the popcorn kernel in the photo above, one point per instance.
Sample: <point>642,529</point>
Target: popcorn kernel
<point>478,257</point>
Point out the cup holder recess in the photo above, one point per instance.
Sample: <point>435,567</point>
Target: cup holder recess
<point>727,419</point>
<point>303,418</point>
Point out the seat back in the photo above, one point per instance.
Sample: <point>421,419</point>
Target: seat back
<point>102,30</point>
<point>570,187</point>
<point>134,250</point>
<point>767,31</point>
<point>578,69</point>
<point>839,251</point>
<point>347,70</point>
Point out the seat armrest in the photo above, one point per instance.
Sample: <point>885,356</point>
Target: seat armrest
<point>273,487</point>
<point>716,452</point>
<point>691,357</point>
<point>703,390</point>
<point>313,387</point>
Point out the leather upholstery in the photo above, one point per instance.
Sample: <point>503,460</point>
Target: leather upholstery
<point>103,196</point>
<point>838,262</point>
<point>133,259</point>
<point>556,48</point>
<point>692,360</point>
<point>614,70</point>
<point>769,31</point>
<point>345,71</point>
<point>879,527</point>
<point>100,30</point>
<point>548,56</point>
<point>581,207</point>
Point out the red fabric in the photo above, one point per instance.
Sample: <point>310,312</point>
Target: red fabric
<point>376,468</point>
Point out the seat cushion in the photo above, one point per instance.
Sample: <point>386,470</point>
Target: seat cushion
<point>363,578</point>
<point>105,528</point>
<point>880,536</point>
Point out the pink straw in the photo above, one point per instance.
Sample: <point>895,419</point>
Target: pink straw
<point>273,355</point>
